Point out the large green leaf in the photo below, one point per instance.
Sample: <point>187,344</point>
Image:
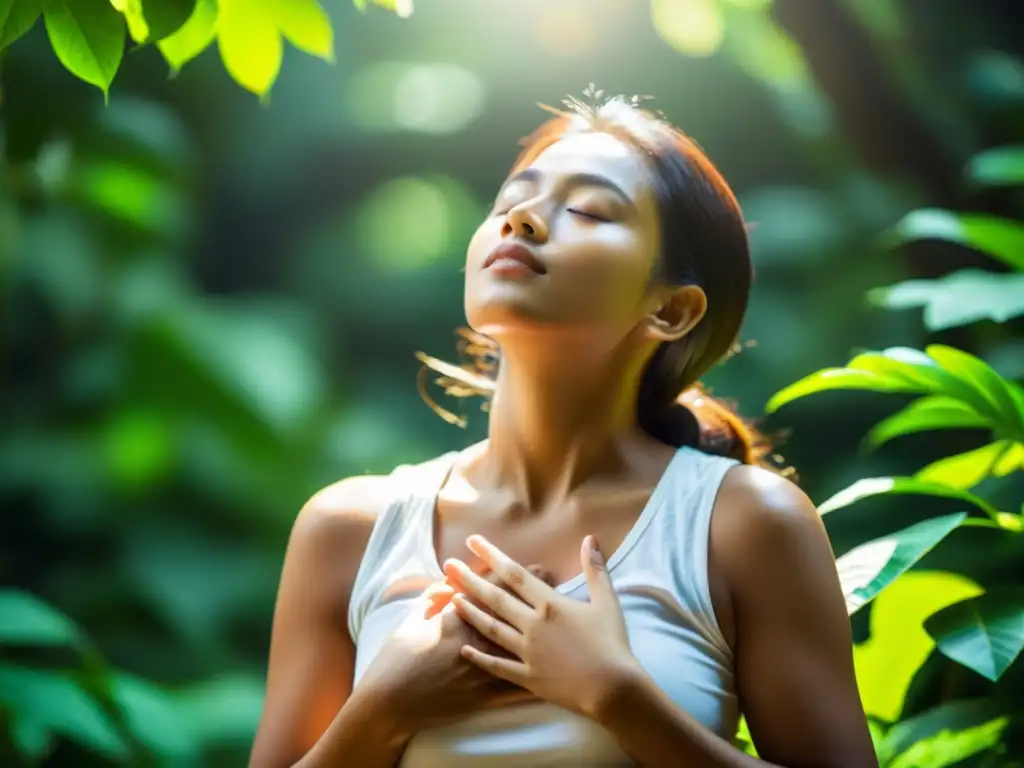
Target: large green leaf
<point>949,748</point>
<point>957,299</point>
<point>898,645</point>
<point>1002,239</point>
<point>866,570</point>
<point>966,470</point>
<point>88,37</point>
<point>985,381</point>
<point>54,702</point>
<point>16,18</point>
<point>27,620</point>
<point>194,37</point>
<point>306,25</point>
<point>984,633</point>
<point>879,486</point>
<point>838,378</point>
<point>250,43</point>
<point>927,413</point>
<point>998,166</point>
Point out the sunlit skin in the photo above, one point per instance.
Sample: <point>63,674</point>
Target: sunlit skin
<point>560,480</point>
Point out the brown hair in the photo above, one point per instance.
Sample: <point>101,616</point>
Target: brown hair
<point>704,242</point>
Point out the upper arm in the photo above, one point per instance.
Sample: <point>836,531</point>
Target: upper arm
<point>794,648</point>
<point>309,675</point>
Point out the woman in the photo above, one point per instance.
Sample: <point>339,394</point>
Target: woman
<point>691,584</point>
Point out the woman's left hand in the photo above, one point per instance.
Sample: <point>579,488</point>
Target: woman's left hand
<point>570,653</point>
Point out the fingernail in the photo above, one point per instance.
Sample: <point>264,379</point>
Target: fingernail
<point>595,551</point>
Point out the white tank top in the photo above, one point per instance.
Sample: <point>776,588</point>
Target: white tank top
<point>660,572</point>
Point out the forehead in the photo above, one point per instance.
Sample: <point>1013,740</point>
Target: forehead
<point>596,153</point>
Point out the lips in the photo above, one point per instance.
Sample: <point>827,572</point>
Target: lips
<point>516,254</point>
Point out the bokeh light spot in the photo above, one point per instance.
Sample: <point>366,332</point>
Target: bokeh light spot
<point>692,27</point>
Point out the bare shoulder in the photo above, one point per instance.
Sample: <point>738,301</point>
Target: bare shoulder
<point>338,519</point>
<point>765,525</point>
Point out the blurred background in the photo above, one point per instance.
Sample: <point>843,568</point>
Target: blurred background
<point>212,291</point>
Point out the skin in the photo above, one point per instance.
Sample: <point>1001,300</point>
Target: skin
<point>565,461</point>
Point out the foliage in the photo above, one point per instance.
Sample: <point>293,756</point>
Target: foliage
<point>197,333</point>
<point>89,36</point>
<point>983,629</point>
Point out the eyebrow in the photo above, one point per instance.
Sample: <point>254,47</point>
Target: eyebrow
<point>577,180</point>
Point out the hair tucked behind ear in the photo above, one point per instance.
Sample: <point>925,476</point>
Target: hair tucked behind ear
<point>703,242</point>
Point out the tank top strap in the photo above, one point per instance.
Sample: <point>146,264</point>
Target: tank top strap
<point>686,521</point>
<point>398,531</point>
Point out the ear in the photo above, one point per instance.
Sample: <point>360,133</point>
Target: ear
<point>676,312</point>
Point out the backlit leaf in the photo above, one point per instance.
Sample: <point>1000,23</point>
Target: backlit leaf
<point>837,378</point>
<point>927,413</point>
<point>948,748</point>
<point>165,17</point>
<point>250,43</point>
<point>194,37</point>
<point>88,37</point>
<point>306,25</point>
<point>16,18</point>
<point>984,633</point>
<point>957,299</point>
<point>879,486</point>
<point>965,470</point>
<point>866,570</point>
<point>1002,239</point>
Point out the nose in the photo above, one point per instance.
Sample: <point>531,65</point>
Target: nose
<point>525,222</point>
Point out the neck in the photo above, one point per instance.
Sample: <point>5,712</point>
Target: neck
<point>558,418</point>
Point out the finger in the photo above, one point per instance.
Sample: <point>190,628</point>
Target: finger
<point>495,599</point>
<point>437,595</point>
<point>491,627</point>
<point>599,583</point>
<point>522,582</point>
<point>507,669</point>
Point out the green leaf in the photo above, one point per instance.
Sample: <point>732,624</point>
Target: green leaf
<point>959,715</point>
<point>837,378</point>
<point>879,486</point>
<point>957,299</point>
<point>966,470</point>
<point>983,378</point>
<point>306,25</point>
<point>984,633</point>
<point>402,8</point>
<point>998,166</point>
<point>31,738</point>
<point>88,37</point>
<point>250,43</point>
<point>54,702</point>
<point>866,570</point>
<point>931,412</point>
<point>948,748</point>
<point>29,621</point>
<point>154,718</point>
<point>165,17</point>
<point>193,38</point>
<point>138,29</point>
<point>999,238</point>
<point>17,17</point>
<point>898,645</point>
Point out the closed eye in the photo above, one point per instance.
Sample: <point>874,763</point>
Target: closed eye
<point>588,216</point>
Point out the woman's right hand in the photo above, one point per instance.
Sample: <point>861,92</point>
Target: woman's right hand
<point>419,674</point>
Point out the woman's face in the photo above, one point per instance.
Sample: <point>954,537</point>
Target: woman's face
<point>585,210</point>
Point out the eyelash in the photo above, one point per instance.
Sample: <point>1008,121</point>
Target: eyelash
<point>573,211</point>
<point>585,215</point>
